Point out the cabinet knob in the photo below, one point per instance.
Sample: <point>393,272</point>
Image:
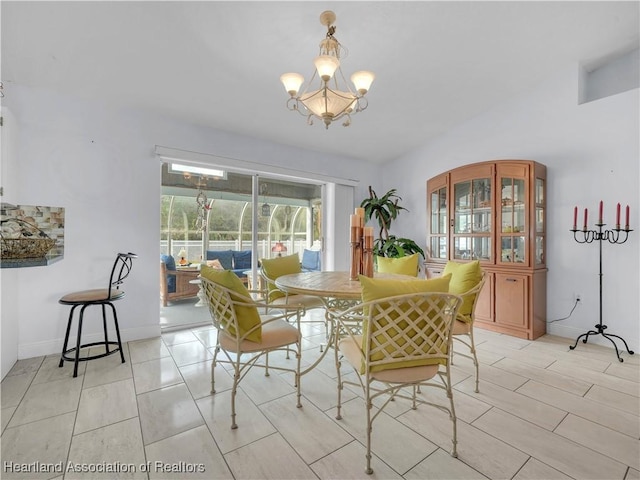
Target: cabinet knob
<point>512,279</point>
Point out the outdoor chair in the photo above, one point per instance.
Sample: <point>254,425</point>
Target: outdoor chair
<point>175,284</point>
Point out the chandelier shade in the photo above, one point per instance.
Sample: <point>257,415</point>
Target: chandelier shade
<point>362,80</point>
<point>292,82</point>
<point>326,66</point>
<point>321,100</point>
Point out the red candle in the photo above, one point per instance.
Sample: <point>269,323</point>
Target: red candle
<point>600,213</point>
<point>626,223</point>
<point>618,216</point>
<point>585,220</point>
<point>575,218</point>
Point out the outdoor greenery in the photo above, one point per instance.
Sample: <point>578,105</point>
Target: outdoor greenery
<point>384,210</point>
<point>224,218</point>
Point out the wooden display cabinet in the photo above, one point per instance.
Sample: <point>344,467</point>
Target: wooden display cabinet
<point>494,212</point>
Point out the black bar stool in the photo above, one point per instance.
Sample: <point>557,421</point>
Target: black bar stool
<point>101,296</point>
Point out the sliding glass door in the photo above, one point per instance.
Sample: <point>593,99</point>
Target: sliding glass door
<point>200,213</point>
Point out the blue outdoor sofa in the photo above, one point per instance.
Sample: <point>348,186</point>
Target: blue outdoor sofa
<point>239,261</point>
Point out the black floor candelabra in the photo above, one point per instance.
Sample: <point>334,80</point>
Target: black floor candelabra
<point>618,236</point>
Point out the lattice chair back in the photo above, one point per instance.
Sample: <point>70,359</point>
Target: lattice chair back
<point>221,306</point>
<point>409,330</point>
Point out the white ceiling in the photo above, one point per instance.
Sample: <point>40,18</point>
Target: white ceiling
<point>218,63</point>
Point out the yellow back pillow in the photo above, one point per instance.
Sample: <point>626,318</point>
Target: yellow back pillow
<point>247,317</point>
<point>464,276</point>
<point>276,267</point>
<point>404,265</point>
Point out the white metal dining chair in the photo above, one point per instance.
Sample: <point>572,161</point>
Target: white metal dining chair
<point>245,337</point>
<point>406,342</point>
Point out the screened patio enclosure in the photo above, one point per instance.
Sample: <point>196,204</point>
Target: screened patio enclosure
<point>201,212</point>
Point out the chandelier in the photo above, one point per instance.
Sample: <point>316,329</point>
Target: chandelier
<point>330,98</point>
<point>266,208</point>
<point>202,201</point>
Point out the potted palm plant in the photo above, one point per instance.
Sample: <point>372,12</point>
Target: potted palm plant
<point>384,210</point>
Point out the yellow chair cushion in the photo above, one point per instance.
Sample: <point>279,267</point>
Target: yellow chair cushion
<point>404,265</point>
<point>276,267</point>
<point>464,276</point>
<point>247,316</point>
<point>379,288</point>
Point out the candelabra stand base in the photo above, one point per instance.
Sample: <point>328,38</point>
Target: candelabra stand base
<point>600,331</point>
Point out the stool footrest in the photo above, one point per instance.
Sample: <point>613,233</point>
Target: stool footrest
<point>92,357</point>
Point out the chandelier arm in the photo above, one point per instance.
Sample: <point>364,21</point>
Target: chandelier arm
<point>341,94</point>
<point>302,111</point>
<point>362,104</point>
<point>292,104</point>
<point>308,85</point>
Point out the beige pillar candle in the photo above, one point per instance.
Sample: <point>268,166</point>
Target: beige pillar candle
<point>354,222</point>
<point>360,212</point>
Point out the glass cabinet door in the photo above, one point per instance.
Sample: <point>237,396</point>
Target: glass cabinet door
<point>439,220</point>
<point>472,219</point>
<point>513,218</point>
<point>540,221</point>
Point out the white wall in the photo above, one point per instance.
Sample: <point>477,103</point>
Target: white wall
<point>592,153</point>
<point>98,162</point>
<point>8,277</point>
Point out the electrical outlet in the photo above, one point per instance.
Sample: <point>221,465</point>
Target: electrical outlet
<point>577,297</point>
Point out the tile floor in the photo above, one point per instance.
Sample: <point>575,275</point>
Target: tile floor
<point>543,412</point>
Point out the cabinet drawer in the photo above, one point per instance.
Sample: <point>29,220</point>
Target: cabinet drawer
<point>511,299</point>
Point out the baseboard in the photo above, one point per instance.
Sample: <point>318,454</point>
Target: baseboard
<point>51,347</point>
